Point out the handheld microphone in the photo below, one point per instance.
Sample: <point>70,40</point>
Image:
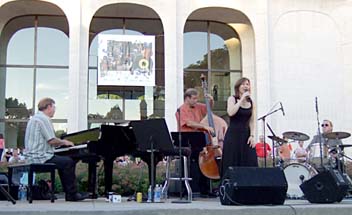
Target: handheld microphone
<point>248,98</point>
<point>282,109</point>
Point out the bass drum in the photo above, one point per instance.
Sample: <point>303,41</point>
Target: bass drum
<point>296,174</point>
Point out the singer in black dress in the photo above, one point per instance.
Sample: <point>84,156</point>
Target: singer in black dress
<point>239,144</point>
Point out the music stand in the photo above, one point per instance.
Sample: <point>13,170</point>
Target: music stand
<point>194,139</point>
<point>152,136</point>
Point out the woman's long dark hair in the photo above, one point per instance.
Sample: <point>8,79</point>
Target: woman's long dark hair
<point>238,83</point>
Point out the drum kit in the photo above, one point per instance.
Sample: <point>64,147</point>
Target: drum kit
<point>303,168</point>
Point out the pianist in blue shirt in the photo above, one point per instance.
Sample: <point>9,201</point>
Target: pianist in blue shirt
<point>40,142</point>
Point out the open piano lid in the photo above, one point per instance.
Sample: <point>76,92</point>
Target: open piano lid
<point>83,136</point>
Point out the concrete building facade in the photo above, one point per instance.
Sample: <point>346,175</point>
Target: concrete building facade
<point>294,52</point>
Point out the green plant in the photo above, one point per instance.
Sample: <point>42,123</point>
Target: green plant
<point>127,178</point>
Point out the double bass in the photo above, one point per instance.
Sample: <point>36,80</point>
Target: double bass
<point>211,154</point>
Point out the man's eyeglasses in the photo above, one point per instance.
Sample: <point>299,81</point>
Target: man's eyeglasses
<point>324,125</point>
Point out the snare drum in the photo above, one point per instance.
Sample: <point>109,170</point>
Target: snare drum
<point>296,174</point>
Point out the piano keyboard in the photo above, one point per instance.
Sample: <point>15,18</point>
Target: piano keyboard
<point>65,149</point>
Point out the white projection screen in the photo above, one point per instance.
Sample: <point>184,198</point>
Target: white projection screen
<point>126,60</point>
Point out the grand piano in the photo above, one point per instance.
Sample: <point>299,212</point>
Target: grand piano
<point>148,139</point>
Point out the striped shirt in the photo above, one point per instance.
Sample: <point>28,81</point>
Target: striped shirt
<point>39,131</point>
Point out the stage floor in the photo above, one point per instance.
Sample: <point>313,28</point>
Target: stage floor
<point>197,207</point>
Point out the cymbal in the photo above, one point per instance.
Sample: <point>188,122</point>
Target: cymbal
<point>294,135</point>
<point>337,135</point>
<point>278,139</point>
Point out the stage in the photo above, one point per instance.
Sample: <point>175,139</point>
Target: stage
<point>197,207</point>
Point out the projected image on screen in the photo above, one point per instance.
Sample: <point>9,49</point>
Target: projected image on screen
<point>126,60</point>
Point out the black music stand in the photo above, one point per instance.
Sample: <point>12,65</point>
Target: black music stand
<point>152,136</point>
<point>196,140</point>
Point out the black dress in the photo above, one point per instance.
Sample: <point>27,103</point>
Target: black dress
<point>236,151</point>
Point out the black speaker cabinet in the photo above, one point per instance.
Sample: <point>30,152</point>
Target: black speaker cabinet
<point>326,187</point>
<point>253,186</point>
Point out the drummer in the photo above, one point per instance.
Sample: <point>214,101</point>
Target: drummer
<point>327,127</point>
<point>329,148</point>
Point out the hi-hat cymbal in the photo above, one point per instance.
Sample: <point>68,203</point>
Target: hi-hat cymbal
<point>294,135</point>
<point>278,139</point>
<point>337,135</point>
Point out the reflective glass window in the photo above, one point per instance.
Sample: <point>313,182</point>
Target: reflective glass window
<point>34,72</point>
<point>54,83</point>
<point>52,47</point>
<point>19,93</point>
<point>20,49</point>
<point>219,53</point>
<point>219,43</point>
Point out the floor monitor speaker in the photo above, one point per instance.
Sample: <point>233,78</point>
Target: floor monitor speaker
<point>253,186</point>
<point>328,186</point>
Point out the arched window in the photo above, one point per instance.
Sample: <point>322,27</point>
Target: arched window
<point>213,49</point>
<point>36,66</point>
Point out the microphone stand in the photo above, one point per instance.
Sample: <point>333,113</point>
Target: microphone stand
<point>274,151</point>
<point>263,120</point>
<point>319,133</point>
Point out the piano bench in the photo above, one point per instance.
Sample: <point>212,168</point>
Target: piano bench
<point>31,168</point>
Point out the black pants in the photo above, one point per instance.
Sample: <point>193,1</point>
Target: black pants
<point>67,172</point>
<point>199,182</point>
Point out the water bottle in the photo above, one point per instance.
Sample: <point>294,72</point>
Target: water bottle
<point>157,193</point>
<point>19,195</point>
<point>149,194</point>
<point>22,192</point>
